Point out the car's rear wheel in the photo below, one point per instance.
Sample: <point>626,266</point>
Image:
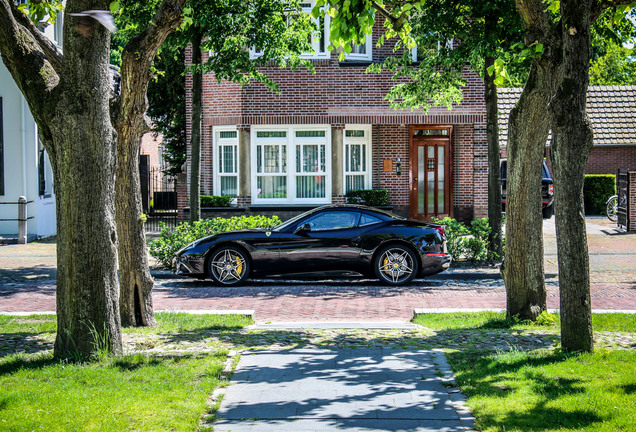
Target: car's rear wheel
<point>396,265</point>
<point>229,266</point>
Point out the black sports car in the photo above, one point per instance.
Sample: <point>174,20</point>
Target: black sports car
<point>346,240</point>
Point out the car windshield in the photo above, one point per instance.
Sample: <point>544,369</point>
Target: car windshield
<point>290,222</point>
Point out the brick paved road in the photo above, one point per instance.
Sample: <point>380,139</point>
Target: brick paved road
<point>27,283</point>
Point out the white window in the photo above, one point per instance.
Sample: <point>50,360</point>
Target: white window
<point>291,165</point>
<point>417,53</point>
<point>319,39</point>
<point>357,157</point>
<point>225,161</point>
<point>362,52</point>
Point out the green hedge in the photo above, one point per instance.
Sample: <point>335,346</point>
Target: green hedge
<point>467,242</point>
<point>215,201</point>
<point>597,190</point>
<point>370,197</point>
<point>171,240</point>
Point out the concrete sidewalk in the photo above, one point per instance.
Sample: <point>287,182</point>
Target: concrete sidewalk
<point>343,390</point>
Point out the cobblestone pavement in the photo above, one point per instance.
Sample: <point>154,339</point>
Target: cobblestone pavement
<point>257,339</point>
<point>27,284</point>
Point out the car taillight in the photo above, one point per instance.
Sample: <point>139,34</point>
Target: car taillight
<point>441,231</point>
<point>551,189</point>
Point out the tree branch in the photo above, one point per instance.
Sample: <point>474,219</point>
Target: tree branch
<point>397,22</point>
<point>601,6</point>
<point>51,51</point>
<point>137,58</point>
<point>28,61</point>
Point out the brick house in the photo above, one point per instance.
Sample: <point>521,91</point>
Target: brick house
<point>612,111</point>
<point>330,132</point>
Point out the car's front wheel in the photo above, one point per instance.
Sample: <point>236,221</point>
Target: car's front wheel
<point>229,266</point>
<point>396,265</point>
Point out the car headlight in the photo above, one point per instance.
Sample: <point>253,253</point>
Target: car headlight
<point>188,247</point>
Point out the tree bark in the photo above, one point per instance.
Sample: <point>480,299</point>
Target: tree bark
<point>69,99</point>
<point>571,145</point>
<point>494,160</point>
<point>195,139</point>
<point>528,127</point>
<point>522,269</point>
<point>136,283</point>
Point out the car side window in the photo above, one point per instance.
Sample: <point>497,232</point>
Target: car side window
<point>333,220</point>
<point>366,219</point>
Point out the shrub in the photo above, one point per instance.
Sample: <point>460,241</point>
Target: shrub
<point>215,201</point>
<point>597,190</point>
<point>468,242</point>
<point>170,241</point>
<point>370,197</point>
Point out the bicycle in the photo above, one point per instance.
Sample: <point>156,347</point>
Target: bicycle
<point>612,204</point>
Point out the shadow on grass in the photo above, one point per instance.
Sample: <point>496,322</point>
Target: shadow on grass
<point>17,363</point>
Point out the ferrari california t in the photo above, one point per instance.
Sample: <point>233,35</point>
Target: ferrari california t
<point>329,241</point>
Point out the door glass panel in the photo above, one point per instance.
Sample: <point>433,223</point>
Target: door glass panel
<point>440,180</point>
<point>430,172</point>
<point>420,179</point>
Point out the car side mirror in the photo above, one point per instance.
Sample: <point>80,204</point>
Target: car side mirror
<point>303,229</point>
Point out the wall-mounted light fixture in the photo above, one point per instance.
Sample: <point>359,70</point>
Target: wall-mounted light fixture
<point>398,166</point>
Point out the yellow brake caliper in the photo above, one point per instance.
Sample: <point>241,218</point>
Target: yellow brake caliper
<point>239,268</point>
<point>386,265</point>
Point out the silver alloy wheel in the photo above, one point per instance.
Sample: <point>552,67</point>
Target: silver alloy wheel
<point>396,265</point>
<point>229,266</point>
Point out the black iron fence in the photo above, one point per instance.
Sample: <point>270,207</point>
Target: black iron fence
<point>158,196</point>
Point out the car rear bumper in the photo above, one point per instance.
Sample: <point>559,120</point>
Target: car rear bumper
<point>434,263</point>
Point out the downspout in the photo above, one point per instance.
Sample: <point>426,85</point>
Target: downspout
<point>23,133</point>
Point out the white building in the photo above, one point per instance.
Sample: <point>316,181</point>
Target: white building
<point>25,169</point>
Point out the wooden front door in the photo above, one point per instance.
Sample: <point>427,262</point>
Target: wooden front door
<point>431,172</point>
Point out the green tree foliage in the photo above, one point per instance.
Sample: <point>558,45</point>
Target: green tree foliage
<point>278,31</point>
<point>167,104</point>
<point>613,38</point>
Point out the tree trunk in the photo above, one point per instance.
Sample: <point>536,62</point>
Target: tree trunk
<point>84,141</point>
<point>528,128</point>
<point>571,146</point>
<point>136,283</point>
<point>135,301</point>
<point>494,161</point>
<point>195,140</point>
<point>522,269</point>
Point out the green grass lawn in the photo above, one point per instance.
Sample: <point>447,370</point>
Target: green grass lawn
<point>545,389</point>
<point>127,393</point>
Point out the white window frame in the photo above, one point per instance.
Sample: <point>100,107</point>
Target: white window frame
<point>217,143</point>
<point>449,45</point>
<point>367,56</point>
<point>318,54</point>
<point>368,142</point>
<point>290,142</point>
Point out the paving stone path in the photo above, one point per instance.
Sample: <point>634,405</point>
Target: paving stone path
<point>345,390</point>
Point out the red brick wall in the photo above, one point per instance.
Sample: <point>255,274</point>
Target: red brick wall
<point>608,160</point>
<point>338,94</point>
